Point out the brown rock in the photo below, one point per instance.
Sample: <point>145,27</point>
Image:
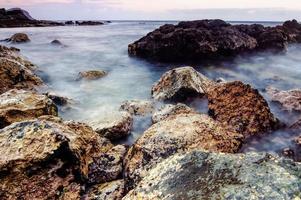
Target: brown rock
<point>178,133</point>
<point>138,107</point>
<point>242,107</point>
<point>107,191</point>
<point>19,38</point>
<point>20,105</point>
<point>181,83</point>
<point>91,75</point>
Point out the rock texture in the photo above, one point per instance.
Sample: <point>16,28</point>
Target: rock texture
<point>15,75</point>
<point>208,39</point>
<point>107,191</point>
<point>181,83</point>
<point>20,105</point>
<point>49,159</point>
<point>178,133</point>
<point>169,110</point>
<point>89,23</point>
<point>204,175</point>
<point>18,38</point>
<point>91,75</point>
<point>290,100</point>
<point>114,126</point>
<point>242,107</point>
<point>17,17</point>
<point>138,107</point>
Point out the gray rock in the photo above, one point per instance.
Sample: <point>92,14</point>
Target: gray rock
<point>107,191</point>
<point>138,107</point>
<point>204,175</point>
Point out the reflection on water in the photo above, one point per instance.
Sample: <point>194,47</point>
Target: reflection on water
<point>105,48</point>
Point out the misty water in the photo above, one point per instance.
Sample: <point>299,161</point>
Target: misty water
<point>105,48</point>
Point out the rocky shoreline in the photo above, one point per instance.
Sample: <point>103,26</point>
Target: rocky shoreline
<point>184,154</point>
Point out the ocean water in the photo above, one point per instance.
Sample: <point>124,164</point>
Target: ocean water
<point>105,48</point>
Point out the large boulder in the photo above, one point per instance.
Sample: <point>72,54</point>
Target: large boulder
<point>211,39</point>
<point>138,107</point>
<point>20,105</point>
<point>113,126</point>
<point>49,159</point>
<point>242,107</point>
<point>178,133</point>
<point>205,175</point>
<point>290,100</point>
<point>181,83</point>
<point>107,191</point>
<point>18,38</point>
<point>15,75</point>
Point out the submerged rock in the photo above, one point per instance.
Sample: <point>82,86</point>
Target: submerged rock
<point>169,110</point>
<point>107,191</point>
<point>49,159</point>
<point>92,75</point>
<point>290,100</point>
<point>204,175</point>
<point>242,107</point>
<point>89,23</point>
<point>20,105</point>
<point>181,83</point>
<point>138,107</point>
<point>113,126</point>
<point>15,75</point>
<point>178,133</point>
<point>57,43</point>
<point>18,38</point>
<point>58,100</point>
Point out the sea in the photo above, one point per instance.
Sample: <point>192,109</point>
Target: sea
<point>106,48</point>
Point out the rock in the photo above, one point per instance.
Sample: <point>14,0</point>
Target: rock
<point>178,133</point>
<point>48,159</point>
<point>296,125</point>
<point>89,23</point>
<point>19,38</point>
<point>169,110</point>
<point>108,166</point>
<point>288,152</point>
<point>57,43</point>
<point>69,23</point>
<point>107,191</point>
<point>58,100</point>
<point>15,75</point>
<point>21,105</point>
<point>211,39</point>
<point>205,175</point>
<point>17,17</point>
<point>138,107</point>
<point>114,126</point>
<point>242,107</point>
<point>181,83</point>
<point>290,100</point>
<point>92,75</point>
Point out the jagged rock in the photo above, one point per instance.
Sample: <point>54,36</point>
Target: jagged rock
<point>15,75</point>
<point>48,159</point>
<point>211,39</point>
<point>205,175</point>
<point>113,126</point>
<point>107,191</point>
<point>138,107</point>
<point>242,107</point>
<point>169,110</point>
<point>20,105</point>
<point>91,75</point>
<point>18,38</point>
<point>178,133</point>
<point>58,100</point>
<point>290,100</point>
<point>181,83</point>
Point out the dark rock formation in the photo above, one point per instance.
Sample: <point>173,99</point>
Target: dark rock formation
<point>89,23</point>
<point>18,38</point>
<point>17,17</point>
<point>207,39</point>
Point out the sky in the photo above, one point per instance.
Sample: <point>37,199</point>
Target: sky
<point>238,10</point>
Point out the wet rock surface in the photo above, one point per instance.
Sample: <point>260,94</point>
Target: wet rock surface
<point>91,75</point>
<point>180,83</point>
<point>169,110</point>
<point>242,107</point>
<point>18,38</point>
<point>204,175</point>
<point>138,107</point>
<point>47,158</point>
<point>178,133</point>
<point>20,105</point>
<point>17,17</point>
<point>107,191</point>
<point>290,100</point>
<point>89,23</point>
<point>205,39</point>
<point>113,126</point>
